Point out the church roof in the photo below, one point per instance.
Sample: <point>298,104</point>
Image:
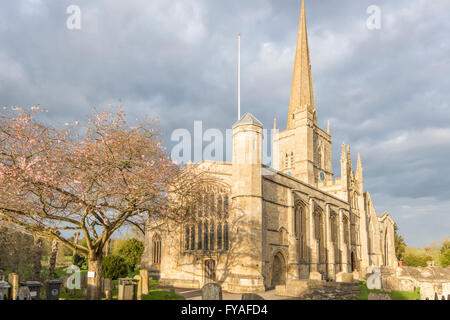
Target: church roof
<point>248,119</point>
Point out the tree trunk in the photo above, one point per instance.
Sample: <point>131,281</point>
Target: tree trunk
<point>37,255</point>
<point>94,281</point>
<point>53,256</point>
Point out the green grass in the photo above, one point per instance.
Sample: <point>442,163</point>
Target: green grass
<point>395,295</point>
<point>161,295</point>
<point>77,295</point>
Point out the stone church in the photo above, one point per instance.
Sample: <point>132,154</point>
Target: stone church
<point>263,226</point>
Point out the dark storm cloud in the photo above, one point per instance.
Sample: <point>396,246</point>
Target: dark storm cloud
<point>385,91</point>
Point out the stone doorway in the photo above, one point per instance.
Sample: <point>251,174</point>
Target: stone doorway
<point>210,271</point>
<point>278,270</point>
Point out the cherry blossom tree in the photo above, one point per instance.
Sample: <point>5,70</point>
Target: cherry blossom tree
<point>92,178</point>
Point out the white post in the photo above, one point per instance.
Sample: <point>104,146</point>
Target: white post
<point>239,76</point>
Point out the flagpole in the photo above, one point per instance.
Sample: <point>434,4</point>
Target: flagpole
<point>239,76</point>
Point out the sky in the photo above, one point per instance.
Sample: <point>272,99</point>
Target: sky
<point>385,91</point>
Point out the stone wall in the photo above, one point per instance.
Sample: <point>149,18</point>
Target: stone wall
<point>430,280</point>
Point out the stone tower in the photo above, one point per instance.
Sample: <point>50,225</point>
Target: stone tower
<point>247,207</point>
<point>304,148</point>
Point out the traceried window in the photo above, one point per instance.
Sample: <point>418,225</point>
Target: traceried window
<point>346,226</point>
<point>211,227</point>
<point>156,250</point>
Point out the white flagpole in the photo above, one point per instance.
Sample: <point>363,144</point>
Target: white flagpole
<point>239,76</point>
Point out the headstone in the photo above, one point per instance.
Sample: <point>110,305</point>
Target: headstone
<point>443,297</point>
<point>212,291</point>
<point>127,289</point>
<point>436,297</point>
<point>13,279</point>
<point>374,279</point>
<point>251,296</point>
<point>4,288</point>
<point>24,294</point>
<point>107,286</point>
<point>379,296</point>
<point>139,286</point>
<point>144,276</point>
<point>315,276</point>
<point>344,277</point>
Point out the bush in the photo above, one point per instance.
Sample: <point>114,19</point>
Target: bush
<point>114,267</point>
<point>413,260</point>
<point>132,250</point>
<point>445,254</point>
<point>79,260</point>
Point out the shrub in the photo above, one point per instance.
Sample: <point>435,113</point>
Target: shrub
<point>114,267</point>
<point>79,260</point>
<point>413,260</point>
<point>132,250</point>
<point>445,254</point>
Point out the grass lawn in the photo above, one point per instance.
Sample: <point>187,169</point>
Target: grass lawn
<point>395,295</point>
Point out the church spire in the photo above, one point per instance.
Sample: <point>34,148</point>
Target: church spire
<point>302,92</point>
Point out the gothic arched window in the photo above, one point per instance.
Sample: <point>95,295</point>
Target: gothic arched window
<point>187,238</point>
<point>156,250</point>
<point>210,223</point>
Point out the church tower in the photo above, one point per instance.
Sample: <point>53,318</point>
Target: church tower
<point>304,148</point>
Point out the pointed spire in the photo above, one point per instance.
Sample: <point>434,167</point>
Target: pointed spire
<point>329,128</point>
<point>359,168</point>
<point>343,153</point>
<point>359,174</point>
<point>359,165</point>
<point>349,158</point>
<point>275,124</point>
<point>302,92</point>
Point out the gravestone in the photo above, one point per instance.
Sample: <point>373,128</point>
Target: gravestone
<point>436,297</point>
<point>374,278</point>
<point>13,279</point>
<point>139,286</point>
<point>127,289</point>
<point>4,288</point>
<point>443,297</point>
<point>251,296</point>
<point>24,294</point>
<point>212,291</point>
<point>379,296</point>
<point>107,287</point>
<point>144,275</point>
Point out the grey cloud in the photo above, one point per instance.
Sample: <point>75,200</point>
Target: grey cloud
<point>176,60</point>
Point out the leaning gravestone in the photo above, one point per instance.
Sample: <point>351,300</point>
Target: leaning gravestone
<point>212,291</point>
<point>24,294</point>
<point>251,296</point>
